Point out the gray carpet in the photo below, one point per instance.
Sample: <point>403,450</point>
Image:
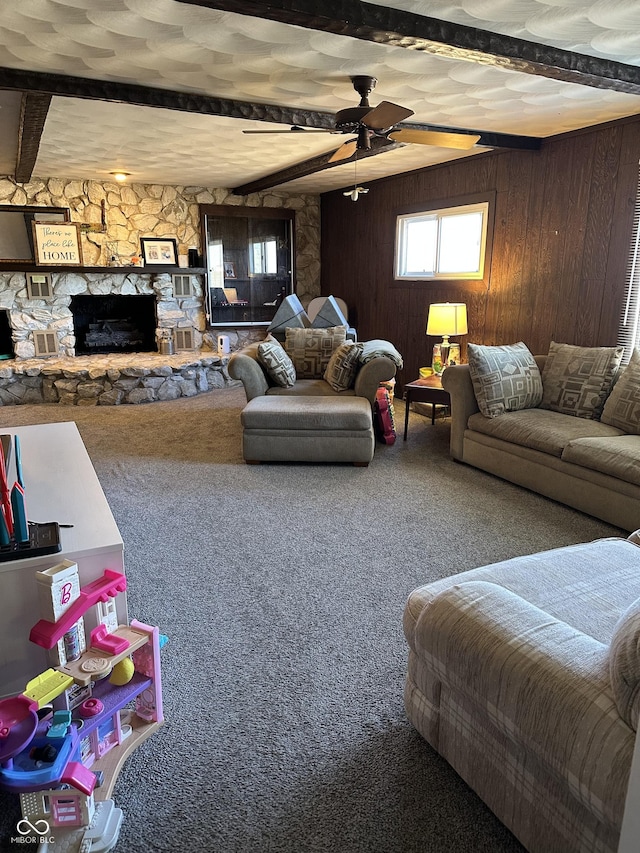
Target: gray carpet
<point>281,589</point>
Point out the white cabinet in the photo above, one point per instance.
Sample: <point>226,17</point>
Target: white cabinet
<point>60,485</point>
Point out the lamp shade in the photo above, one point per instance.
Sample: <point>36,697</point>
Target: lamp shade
<point>447,318</point>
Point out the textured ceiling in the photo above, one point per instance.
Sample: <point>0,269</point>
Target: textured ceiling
<point>170,45</point>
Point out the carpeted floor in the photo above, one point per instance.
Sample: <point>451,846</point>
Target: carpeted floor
<point>281,589</point>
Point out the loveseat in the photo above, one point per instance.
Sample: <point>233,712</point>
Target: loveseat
<point>525,676</point>
<point>377,362</point>
<point>589,460</point>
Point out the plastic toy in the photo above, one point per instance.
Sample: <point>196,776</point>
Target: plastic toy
<point>55,737</point>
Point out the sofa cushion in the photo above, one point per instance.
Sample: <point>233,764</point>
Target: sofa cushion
<point>622,408</point>
<point>540,429</point>
<point>276,363</point>
<point>311,349</point>
<point>309,388</point>
<point>505,378</point>
<point>343,366</point>
<point>566,582</point>
<point>617,456</point>
<point>577,380</point>
<point>624,664</point>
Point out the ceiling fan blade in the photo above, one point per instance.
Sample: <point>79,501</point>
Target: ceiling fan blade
<point>294,129</point>
<point>345,151</point>
<point>434,137</point>
<point>385,115</point>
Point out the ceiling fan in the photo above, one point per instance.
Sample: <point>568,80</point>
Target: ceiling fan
<point>366,122</point>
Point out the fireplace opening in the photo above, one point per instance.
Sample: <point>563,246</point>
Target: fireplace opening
<point>6,341</point>
<point>104,324</point>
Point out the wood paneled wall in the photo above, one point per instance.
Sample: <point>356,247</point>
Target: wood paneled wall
<point>561,236</point>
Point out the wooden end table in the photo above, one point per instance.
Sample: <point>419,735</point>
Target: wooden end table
<point>428,390</point>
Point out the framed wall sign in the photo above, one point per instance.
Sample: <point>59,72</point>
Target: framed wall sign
<point>156,250</point>
<point>57,244</point>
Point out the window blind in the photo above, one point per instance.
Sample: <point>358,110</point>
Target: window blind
<point>629,329</point>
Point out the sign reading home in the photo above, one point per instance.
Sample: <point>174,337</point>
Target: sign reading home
<point>57,243</point>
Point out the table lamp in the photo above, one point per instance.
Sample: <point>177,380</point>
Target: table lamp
<point>445,318</point>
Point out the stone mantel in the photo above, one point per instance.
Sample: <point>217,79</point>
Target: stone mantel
<point>19,266</point>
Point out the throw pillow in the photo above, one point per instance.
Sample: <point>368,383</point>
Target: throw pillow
<point>343,366</point>
<point>505,378</point>
<point>277,363</point>
<point>577,380</point>
<point>622,408</point>
<point>311,349</point>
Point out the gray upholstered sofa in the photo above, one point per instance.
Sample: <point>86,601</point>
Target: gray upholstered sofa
<point>375,368</point>
<point>584,463</point>
<point>525,676</point>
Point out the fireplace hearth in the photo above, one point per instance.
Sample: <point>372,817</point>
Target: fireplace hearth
<point>114,323</point>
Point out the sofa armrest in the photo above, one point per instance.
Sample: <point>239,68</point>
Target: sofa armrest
<point>371,374</point>
<point>542,683</point>
<point>244,365</point>
<point>456,381</point>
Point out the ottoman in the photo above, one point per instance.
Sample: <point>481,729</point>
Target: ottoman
<point>307,429</point>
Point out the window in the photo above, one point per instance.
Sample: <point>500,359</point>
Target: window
<point>264,258</point>
<point>629,329</point>
<point>440,244</point>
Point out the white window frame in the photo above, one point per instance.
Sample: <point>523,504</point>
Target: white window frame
<point>629,328</point>
<point>403,220</point>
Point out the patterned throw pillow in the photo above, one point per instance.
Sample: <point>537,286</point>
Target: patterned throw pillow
<point>577,380</point>
<point>505,378</point>
<point>622,408</point>
<point>277,363</point>
<point>311,349</point>
<point>343,366</point>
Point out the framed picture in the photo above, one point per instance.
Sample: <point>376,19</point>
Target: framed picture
<point>156,250</point>
<point>57,244</point>
<point>229,270</point>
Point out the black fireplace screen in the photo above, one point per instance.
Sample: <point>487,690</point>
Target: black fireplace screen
<point>114,323</point>
<point>6,342</point>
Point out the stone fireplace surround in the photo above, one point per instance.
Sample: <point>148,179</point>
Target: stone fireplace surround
<point>54,314</point>
<point>108,379</point>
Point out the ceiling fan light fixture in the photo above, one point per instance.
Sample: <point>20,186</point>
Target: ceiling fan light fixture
<point>355,193</point>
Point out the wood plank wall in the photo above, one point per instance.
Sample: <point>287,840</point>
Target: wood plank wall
<point>561,237</point>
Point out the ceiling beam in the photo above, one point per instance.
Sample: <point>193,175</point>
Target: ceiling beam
<point>46,84</point>
<point>33,114</point>
<point>397,28</point>
<point>310,167</point>
<point>148,96</point>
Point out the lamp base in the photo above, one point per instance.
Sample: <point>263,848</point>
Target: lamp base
<point>444,354</point>
<point>440,358</point>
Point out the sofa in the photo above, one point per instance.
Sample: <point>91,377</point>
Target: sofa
<point>375,362</point>
<point>525,676</point>
<point>552,426</point>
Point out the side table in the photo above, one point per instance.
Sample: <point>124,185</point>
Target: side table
<point>428,390</point>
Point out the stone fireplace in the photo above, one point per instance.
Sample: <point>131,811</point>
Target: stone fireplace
<point>116,317</point>
<point>74,293</point>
